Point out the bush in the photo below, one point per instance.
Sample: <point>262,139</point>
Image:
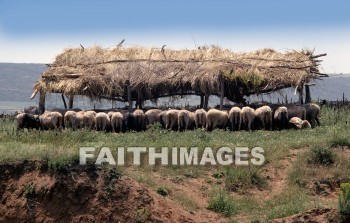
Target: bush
<point>163,191</point>
<point>218,175</point>
<point>142,215</point>
<point>322,156</point>
<point>344,199</point>
<point>242,178</point>
<point>222,203</point>
<point>29,190</point>
<point>114,174</point>
<point>339,141</point>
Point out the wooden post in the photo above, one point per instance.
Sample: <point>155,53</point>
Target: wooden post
<point>70,103</point>
<point>139,102</point>
<point>301,94</point>
<point>206,101</point>
<point>202,101</point>
<point>42,102</point>
<point>127,83</point>
<point>221,78</point>
<point>307,93</point>
<point>64,101</point>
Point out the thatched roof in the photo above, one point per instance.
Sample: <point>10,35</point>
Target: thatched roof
<point>156,72</point>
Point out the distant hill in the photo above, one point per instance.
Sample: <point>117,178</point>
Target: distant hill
<point>17,82</point>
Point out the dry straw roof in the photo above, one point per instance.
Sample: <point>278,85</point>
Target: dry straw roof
<point>156,72</point>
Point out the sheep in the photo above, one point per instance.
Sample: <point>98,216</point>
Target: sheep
<point>216,118</point>
<point>89,119</point>
<point>305,124</point>
<point>280,118</point>
<point>139,120</point>
<point>191,123</point>
<point>299,124</point>
<point>28,121</point>
<point>103,121</point>
<point>80,116</point>
<point>185,120</point>
<point>247,117</point>
<point>116,121</point>
<point>128,121</point>
<point>162,118</point>
<point>171,117</point>
<point>200,118</point>
<point>234,116</point>
<point>152,116</point>
<point>312,113</point>
<point>71,119</point>
<point>33,110</point>
<point>296,111</point>
<point>263,116</point>
<point>51,120</point>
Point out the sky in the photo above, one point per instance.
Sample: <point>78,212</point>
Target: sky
<point>36,31</point>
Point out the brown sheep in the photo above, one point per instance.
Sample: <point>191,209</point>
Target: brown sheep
<point>191,123</point>
<point>234,116</point>
<point>299,124</point>
<point>139,120</point>
<point>71,119</point>
<point>51,120</point>
<point>185,120</point>
<point>152,116</point>
<point>116,121</point>
<point>103,121</point>
<point>247,117</point>
<point>216,118</point>
<point>171,117</point>
<point>89,119</point>
<point>200,118</point>
<point>263,117</point>
<point>162,118</point>
<point>80,116</point>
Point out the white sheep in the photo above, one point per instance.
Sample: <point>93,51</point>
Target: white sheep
<point>216,118</point>
<point>200,118</point>
<point>247,117</point>
<point>234,116</point>
<point>102,121</point>
<point>264,116</point>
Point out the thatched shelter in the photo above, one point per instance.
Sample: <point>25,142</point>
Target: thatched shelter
<point>139,73</point>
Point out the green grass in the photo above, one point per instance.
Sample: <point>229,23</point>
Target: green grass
<point>163,191</point>
<point>222,203</point>
<point>240,179</point>
<point>344,199</point>
<point>289,202</point>
<point>53,145</point>
<point>322,156</point>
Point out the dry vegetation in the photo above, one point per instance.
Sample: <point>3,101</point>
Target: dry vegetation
<point>155,72</point>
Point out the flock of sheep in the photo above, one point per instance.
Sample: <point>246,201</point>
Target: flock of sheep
<point>253,117</point>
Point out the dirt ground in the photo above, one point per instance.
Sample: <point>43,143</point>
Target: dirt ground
<point>82,194</point>
<point>32,192</point>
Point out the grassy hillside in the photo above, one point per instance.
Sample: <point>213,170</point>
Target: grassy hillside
<point>293,179</point>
